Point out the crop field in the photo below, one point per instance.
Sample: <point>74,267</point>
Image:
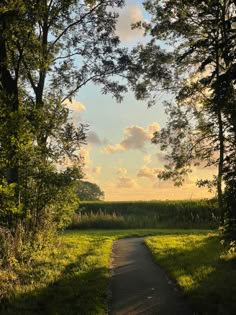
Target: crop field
<point>72,277</point>
<point>152,214</point>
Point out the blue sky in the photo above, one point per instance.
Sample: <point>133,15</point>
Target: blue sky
<point>119,156</point>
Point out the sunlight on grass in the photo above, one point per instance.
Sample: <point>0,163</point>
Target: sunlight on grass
<point>197,263</point>
<point>70,278</point>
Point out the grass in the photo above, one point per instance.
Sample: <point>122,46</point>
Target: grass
<point>198,264</point>
<point>72,277</point>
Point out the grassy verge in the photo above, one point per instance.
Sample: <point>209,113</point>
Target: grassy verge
<point>198,264</point>
<point>71,278</point>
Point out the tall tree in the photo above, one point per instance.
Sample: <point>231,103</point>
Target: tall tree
<point>197,69</point>
<point>51,50</point>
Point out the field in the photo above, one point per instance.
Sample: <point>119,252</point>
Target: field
<point>72,277</point>
<point>152,214</point>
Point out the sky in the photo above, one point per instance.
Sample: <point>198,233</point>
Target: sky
<point>119,156</point>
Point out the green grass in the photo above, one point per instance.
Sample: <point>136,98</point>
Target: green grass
<point>198,264</point>
<point>71,278</point>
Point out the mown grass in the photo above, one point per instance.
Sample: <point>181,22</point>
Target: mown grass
<point>70,278</point>
<point>199,265</point>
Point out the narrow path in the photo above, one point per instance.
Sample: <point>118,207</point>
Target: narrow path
<point>139,286</point>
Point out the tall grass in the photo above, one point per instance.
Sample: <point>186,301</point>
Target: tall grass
<point>153,214</point>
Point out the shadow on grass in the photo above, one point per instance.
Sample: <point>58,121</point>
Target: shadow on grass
<point>74,293</point>
<point>213,290</point>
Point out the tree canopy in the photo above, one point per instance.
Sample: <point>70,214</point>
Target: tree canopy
<point>49,51</point>
<point>88,191</point>
<point>196,63</point>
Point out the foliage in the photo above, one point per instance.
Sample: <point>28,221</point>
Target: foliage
<point>89,191</point>
<point>197,65</point>
<point>200,267</point>
<point>49,50</point>
<point>151,214</point>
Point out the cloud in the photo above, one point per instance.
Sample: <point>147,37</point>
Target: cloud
<point>147,172</point>
<point>96,169</point>
<point>113,148</point>
<point>122,171</point>
<point>74,105</point>
<point>75,108</point>
<point>85,153</point>
<point>161,157</point>
<point>94,139</point>
<point>130,14</point>
<point>165,184</point>
<point>126,182</point>
<point>135,138</point>
<point>147,159</point>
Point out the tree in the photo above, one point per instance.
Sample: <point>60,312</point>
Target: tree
<point>49,50</point>
<point>89,191</point>
<point>198,63</point>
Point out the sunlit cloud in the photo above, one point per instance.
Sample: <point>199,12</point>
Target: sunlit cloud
<point>74,105</point>
<point>129,15</point>
<point>85,153</point>
<point>147,159</point>
<point>161,157</point>
<point>148,172</point>
<point>134,138</point>
<point>126,182</point>
<point>96,169</point>
<point>122,171</point>
<point>75,108</point>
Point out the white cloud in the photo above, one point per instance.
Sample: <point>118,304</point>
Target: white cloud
<point>129,15</point>
<point>135,138</point>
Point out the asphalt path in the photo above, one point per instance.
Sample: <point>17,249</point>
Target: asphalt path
<point>139,286</point>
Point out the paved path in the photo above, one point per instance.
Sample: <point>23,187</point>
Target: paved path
<point>140,287</point>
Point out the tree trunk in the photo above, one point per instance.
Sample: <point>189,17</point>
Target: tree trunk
<point>10,92</point>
